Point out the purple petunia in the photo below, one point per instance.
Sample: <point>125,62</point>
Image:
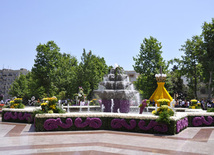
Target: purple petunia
<point>20,116</point>
<point>153,124</point>
<point>181,124</point>
<point>118,123</point>
<point>51,124</point>
<point>91,122</point>
<point>198,121</point>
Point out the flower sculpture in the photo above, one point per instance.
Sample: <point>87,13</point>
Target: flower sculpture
<point>143,105</point>
<point>160,92</point>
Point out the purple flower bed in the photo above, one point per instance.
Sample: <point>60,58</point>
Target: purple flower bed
<point>152,125</point>
<point>181,124</point>
<point>18,116</point>
<point>91,122</point>
<point>52,124</point>
<point>199,121</point>
<point>118,123</point>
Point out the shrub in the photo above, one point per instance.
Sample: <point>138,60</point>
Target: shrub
<point>164,113</point>
<point>210,110</point>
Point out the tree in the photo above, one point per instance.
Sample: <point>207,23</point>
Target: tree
<point>64,78</point>
<point>19,88</point>
<point>175,83</point>
<point>90,72</point>
<point>190,65</point>
<point>46,63</point>
<point>207,54</point>
<point>148,63</point>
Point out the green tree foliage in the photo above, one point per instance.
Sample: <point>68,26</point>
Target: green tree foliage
<point>90,72</point>
<point>175,83</point>
<point>148,63</point>
<point>19,88</point>
<point>207,54</point>
<point>190,65</point>
<point>64,75</point>
<point>45,65</point>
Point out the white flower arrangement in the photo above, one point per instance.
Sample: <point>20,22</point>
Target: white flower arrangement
<point>177,116</point>
<point>21,110</point>
<point>113,115</point>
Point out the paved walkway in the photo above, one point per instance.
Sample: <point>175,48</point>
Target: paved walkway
<point>17,138</point>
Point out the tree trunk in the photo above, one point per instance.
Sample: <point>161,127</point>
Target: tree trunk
<point>196,83</point>
<point>196,87</point>
<point>209,85</point>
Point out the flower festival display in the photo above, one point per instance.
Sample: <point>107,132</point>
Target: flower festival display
<point>195,104</point>
<point>16,104</point>
<point>164,113</point>
<point>163,101</point>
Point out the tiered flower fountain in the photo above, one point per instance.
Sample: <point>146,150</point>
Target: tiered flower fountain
<point>116,91</point>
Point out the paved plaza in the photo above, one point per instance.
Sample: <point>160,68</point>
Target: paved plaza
<point>18,138</point>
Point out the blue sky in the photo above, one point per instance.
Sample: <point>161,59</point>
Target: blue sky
<point>113,29</point>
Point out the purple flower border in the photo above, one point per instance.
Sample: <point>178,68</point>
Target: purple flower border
<point>91,122</point>
<point>18,116</point>
<point>119,123</point>
<point>52,124</point>
<point>153,125</point>
<point>181,124</point>
<point>199,121</point>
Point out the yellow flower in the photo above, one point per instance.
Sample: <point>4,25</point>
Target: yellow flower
<point>163,100</point>
<point>193,107</point>
<point>44,104</point>
<point>194,100</point>
<point>153,112</point>
<point>18,99</point>
<point>12,106</point>
<point>52,107</point>
<point>164,107</point>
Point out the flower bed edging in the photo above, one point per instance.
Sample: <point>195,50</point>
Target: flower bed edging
<point>181,124</point>
<point>201,121</point>
<point>102,123</point>
<point>20,117</point>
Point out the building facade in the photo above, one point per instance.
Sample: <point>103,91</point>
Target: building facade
<point>132,75</point>
<point>7,77</point>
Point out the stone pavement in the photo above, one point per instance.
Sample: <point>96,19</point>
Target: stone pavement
<point>17,138</point>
